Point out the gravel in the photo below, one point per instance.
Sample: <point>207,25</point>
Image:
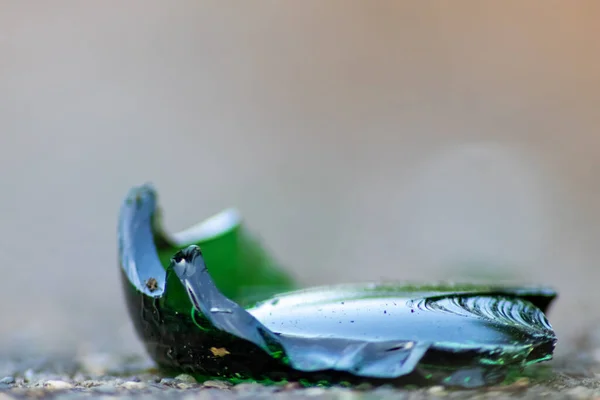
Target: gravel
<point>560,387</point>
<point>575,375</point>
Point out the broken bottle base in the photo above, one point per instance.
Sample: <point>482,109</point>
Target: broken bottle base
<point>213,303</point>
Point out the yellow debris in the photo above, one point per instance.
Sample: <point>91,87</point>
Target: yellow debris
<point>220,352</point>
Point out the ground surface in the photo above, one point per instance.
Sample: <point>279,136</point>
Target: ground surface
<point>361,140</point>
<point>574,375</point>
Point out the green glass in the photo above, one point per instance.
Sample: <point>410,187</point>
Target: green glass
<point>211,301</point>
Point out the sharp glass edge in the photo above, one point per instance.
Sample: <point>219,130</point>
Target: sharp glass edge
<point>370,359</point>
<point>137,252</point>
<point>362,358</point>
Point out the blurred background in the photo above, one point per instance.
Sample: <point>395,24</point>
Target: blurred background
<point>361,140</point>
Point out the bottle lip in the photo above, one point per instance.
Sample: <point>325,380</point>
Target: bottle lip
<point>213,227</point>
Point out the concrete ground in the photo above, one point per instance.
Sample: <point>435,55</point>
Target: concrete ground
<point>115,376</point>
<point>361,140</point>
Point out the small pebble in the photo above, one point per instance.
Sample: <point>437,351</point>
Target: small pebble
<point>183,385</point>
<point>57,385</point>
<point>217,384</point>
<point>437,390</point>
<point>186,378</point>
<point>8,380</point>
<point>168,381</point>
<point>131,385</point>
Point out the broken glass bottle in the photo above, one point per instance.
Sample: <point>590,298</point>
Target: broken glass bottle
<point>211,301</point>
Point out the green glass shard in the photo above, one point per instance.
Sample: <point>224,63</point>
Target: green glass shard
<point>212,302</point>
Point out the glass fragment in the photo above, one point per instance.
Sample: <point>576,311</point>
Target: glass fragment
<point>212,302</point>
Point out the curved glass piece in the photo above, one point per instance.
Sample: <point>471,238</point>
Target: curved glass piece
<point>205,302</point>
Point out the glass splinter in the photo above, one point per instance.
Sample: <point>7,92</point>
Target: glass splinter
<point>205,301</point>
